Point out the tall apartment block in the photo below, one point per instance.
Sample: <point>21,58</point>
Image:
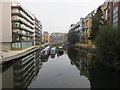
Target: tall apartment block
<point>113,11</point>
<point>20,28</point>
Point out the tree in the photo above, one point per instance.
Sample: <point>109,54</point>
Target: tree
<point>108,46</point>
<point>72,37</point>
<point>97,22</point>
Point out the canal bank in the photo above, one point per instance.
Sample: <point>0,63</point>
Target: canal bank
<point>11,55</point>
<point>84,47</point>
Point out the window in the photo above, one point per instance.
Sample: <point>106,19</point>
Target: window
<point>115,16</point>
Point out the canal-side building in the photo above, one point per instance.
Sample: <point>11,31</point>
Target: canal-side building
<point>57,38</point>
<point>87,27</point>
<point>22,27</point>
<point>81,30</point>
<point>78,28</point>
<point>45,37</point>
<point>18,27</point>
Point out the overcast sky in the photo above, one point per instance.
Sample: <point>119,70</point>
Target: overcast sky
<point>58,15</point>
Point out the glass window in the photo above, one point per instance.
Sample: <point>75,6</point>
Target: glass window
<point>115,10</point>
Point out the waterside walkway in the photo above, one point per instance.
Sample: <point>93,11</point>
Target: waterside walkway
<point>10,54</point>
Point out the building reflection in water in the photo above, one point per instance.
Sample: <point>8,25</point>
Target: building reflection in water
<point>45,58</point>
<point>52,56</point>
<point>89,66</point>
<point>20,73</point>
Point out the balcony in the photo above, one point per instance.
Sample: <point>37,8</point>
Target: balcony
<point>23,16</point>
<point>23,22</point>
<point>23,40</point>
<point>28,19</point>
<point>19,7</point>
<point>26,35</point>
<point>23,28</point>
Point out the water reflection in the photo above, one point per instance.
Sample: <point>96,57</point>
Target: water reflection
<point>52,56</point>
<point>60,53</point>
<point>45,58</point>
<point>89,66</point>
<point>22,72</point>
<point>78,59</point>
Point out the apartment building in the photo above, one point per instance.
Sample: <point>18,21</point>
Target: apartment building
<point>78,28</point>
<point>81,28</point>
<point>57,38</point>
<point>20,28</point>
<point>88,25</point>
<point>113,9</point>
<point>45,37</point>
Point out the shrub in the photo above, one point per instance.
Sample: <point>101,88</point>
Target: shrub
<point>108,46</point>
<point>72,38</point>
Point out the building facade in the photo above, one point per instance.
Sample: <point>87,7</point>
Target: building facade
<point>22,27</point>
<point>78,28</point>
<point>87,27</point>
<point>38,32</point>
<point>57,38</point>
<point>18,27</point>
<point>45,37</point>
<point>113,9</point>
<point>81,28</point>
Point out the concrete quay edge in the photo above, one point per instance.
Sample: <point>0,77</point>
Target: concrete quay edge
<point>9,58</point>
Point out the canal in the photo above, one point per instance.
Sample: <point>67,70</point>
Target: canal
<point>74,69</point>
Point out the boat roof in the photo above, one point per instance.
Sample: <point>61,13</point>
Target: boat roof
<point>60,47</point>
<point>53,48</point>
<point>47,48</point>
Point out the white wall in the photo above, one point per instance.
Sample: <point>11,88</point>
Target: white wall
<point>6,22</point>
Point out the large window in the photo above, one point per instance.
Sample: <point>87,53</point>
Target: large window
<point>115,16</point>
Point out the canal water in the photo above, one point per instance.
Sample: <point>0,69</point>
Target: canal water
<point>74,69</point>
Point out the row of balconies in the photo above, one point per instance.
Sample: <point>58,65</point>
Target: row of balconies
<point>18,12</point>
<point>19,38</point>
<point>17,25</point>
<point>27,17</point>
<point>20,8</point>
<point>26,20</point>
<point>24,25</point>
<point>26,35</point>
<point>22,20</point>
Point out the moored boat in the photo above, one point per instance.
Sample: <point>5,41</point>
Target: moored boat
<point>53,51</point>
